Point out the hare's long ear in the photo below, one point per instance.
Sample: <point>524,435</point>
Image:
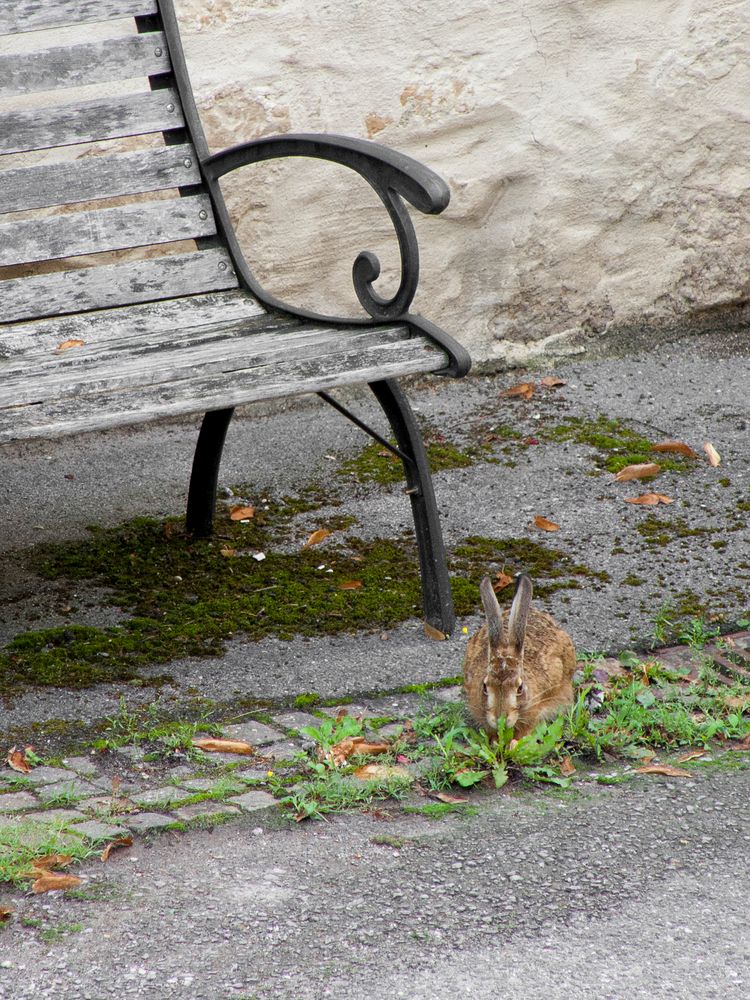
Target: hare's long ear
<point>492,612</point>
<point>519,612</point>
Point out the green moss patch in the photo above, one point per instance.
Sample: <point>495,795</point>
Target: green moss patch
<point>615,443</point>
<point>661,531</point>
<point>376,464</point>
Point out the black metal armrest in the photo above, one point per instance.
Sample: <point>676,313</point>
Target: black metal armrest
<point>392,175</point>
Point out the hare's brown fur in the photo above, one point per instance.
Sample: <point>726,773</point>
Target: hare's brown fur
<point>543,670</point>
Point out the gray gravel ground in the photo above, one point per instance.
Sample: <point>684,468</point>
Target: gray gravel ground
<point>616,893</point>
<point>634,891</point>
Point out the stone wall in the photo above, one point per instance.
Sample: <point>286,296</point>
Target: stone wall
<point>597,153</point>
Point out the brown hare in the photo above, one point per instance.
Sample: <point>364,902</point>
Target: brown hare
<point>519,665</point>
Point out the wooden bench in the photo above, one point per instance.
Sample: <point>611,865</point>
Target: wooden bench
<point>125,295</point>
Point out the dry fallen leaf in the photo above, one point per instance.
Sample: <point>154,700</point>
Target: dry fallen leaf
<point>679,447</point>
<point>692,755</point>
<point>5,913</point>
<point>567,767</point>
<point>316,537</point>
<point>501,581</point>
<point>434,633</point>
<point>744,744</point>
<point>352,745</point>
<point>118,842</point>
<point>48,861</point>
<point>641,471</point>
<point>649,499</point>
<point>714,458</point>
<point>524,390</point>
<point>67,344</point>
<point>216,745</point>
<point>228,551</point>
<point>544,525</point>
<point>351,585</point>
<point>241,513</point>
<point>381,772</point>
<point>17,760</point>
<point>50,881</point>
<point>552,381</point>
<point>452,800</point>
<point>667,769</point>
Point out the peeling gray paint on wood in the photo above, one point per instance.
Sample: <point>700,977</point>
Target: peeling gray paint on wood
<point>76,233</point>
<point>88,121</point>
<point>79,65</point>
<point>29,15</point>
<point>103,286</point>
<point>95,177</point>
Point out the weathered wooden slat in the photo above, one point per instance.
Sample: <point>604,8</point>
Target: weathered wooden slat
<point>89,121</point>
<point>92,177</point>
<point>213,311</point>
<point>115,285</point>
<point>77,233</point>
<point>200,391</point>
<point>17,16</point>
<point>78,65</point>
<point>132,363</point>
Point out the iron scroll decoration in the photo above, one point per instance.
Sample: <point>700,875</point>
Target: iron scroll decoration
<point>392,176</point>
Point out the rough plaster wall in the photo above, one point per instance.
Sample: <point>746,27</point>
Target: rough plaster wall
<point>597,152</point>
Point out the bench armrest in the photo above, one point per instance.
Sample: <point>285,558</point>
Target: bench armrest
<point>392,175</point>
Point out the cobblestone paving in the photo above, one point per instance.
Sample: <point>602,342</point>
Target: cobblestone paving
<point>122,792</point>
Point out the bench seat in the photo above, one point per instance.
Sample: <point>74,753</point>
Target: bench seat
<point>137,363</point>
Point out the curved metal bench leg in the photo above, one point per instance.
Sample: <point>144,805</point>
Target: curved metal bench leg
<point>436,591</point>
<point>204,477</point>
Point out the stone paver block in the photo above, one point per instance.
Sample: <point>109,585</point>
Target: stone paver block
<point>252,774</point>
<point>358,711</point>
<point>296,720</point>
<point>13,802</point>
<point>132,753</point>
<point>49,775</point>
<point>390,730</point>
<point>255,733</point>
<point>254,800</point>
<point>164,797</point>
<point>145,822</point>
<point>281,751</point>
<point>207,808</point>
<point>448,694</point>
<point>72,787</point>
<point>81,765</point>
<point>92,829</point>
<point>207,784</point>
<point>58,815</point>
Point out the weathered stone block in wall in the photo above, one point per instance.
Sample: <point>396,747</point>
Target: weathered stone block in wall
<point>596,152</point>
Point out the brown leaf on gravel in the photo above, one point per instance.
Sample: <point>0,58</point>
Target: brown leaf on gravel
<point>227,551</point>
<point>524,390</point>
<point>342,751</point>
<point>48,861</point>
<point>380,772</point>
<point>241,513</point>
<point>677,447</point>
<point>434,633</point>
<point>5,913</point>
<point>567,767</point>
<point>545,525</point>
<point>649,499</point>
<point>666,769</point>
<point>552,381</point>
<point>67,344</point>
<point>451,800</point>
<point>50,881</point>
<point>501,581</point>
<point>744,744</point>
<point>113,844</point>
<point>316,537</point>
<point>640,471</point>
<point>691,755</point>
<point>714,458</point>
<point>17,760</point>
<point>351,585</point>
<point>215,745</point>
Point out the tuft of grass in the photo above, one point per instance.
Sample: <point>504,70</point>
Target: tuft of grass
<point>23,839</point>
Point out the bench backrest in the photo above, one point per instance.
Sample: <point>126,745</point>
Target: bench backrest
<point>127,219</point>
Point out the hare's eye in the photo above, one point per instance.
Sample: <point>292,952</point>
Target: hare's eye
<point>521,688</point>
<point>484,688</point>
